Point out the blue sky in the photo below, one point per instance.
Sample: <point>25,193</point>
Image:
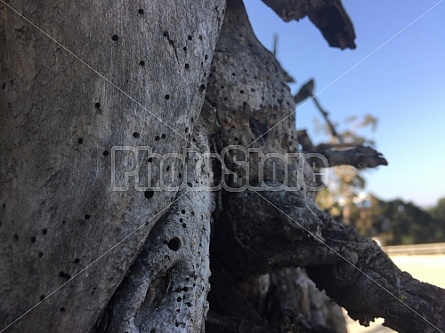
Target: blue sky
<point>402,84</point>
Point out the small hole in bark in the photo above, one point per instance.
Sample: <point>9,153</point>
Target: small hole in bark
<point>157,138</point>
<point>174,244</point>
<point>33,240</point>
<point>185,48</point>
<point>163,136</point>
<point>184,225</point>
<point>165,34</point>
<point>87,217</point>
<point>241,91</point>
<point>80,141</point>
<point>187,66</point>
<point>115,37</point>
<point>150,160</point>
<point>233,74</point>
<point>42,297</point>
<point>206,57</point>
<point>4,206</point>
<point>186,130</point>
<point>200,37</point>
<point>97,105</point>
<point>64,275</point>
<point>167,97</point>
<point>182,211</point>
<point>16,237</point>
<point>189,304</point>
<point>105,153</point>
<point>142,63</point>
<point>189,37</point>
<point>62,309</point>
<point>202,87</point>
<point>40,253</point>
<point>76,261</point>
<point>179,299</point>
<point>141,11</point>
<point>149,194</point>
<point>44,231</point>
<point>3,85</point>
<point>136,135</point>
<point>153,330</point>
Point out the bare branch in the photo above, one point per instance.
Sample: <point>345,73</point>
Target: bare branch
<point>360,157</point>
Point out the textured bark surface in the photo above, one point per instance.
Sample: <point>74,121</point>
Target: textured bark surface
<point>329,16</point>
<point>165,290</point>
<point>246,97</point>
<point>84,258</point>
<point>59,121</point>
<point>258,234</point>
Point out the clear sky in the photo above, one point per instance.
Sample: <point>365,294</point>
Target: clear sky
<point>402,83</point>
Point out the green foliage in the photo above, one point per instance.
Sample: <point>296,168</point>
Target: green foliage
<point>397,222</point>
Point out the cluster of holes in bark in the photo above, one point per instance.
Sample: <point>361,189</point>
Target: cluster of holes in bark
<point>184,225</point>
<point>163,136</point>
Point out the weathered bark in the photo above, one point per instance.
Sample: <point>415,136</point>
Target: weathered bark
<point>262,232</point>
<point>329,16</point>
<point>360,157</point>
<point>138,261</point>
<point>246,97</point>
<point>60,119</point>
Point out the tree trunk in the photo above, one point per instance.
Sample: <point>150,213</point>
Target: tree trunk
<point>79,82</point>
<point>91,242</point>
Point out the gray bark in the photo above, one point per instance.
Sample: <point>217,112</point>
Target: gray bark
<point>59,122</point>
<point>76,256</point>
